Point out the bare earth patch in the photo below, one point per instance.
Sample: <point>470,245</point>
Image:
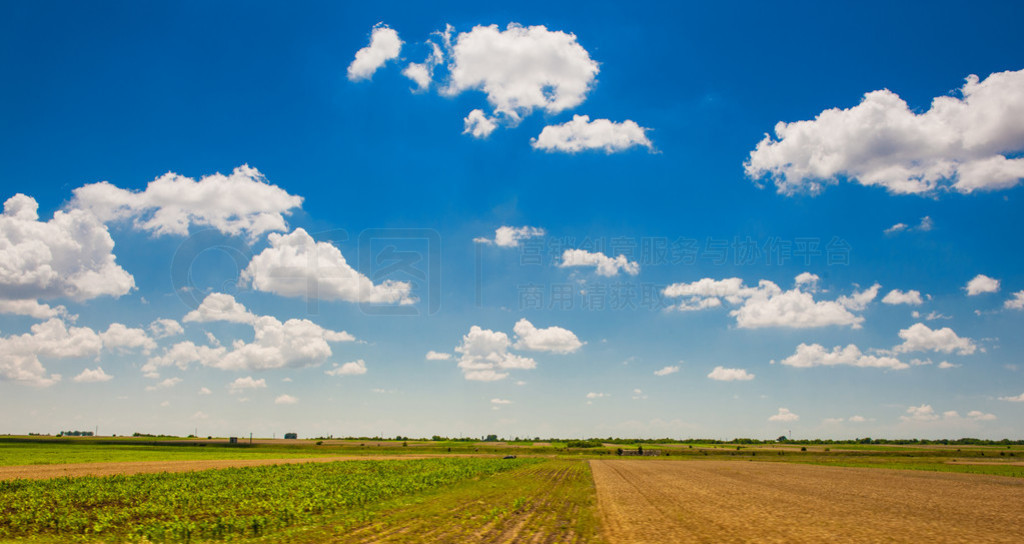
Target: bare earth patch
<point>43,472</point>
<point>723,501</point>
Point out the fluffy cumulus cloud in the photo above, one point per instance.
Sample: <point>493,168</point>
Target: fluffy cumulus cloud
<point>521,69</point>
<point>582,134</point>
<point>920,337</point>
<point>553,339</point>
<point>1015,303</point>
<point>811,355</point>
<point>247,383</point>
<point>666,370</point>
<point>71,255</point>
<point>1018,398</point>
<point>422,73</point>
<point>121,338</point>
<point>484,355</point>
<point>723,374</point>
<point>286,399</point>
<point>31,308</point>
<point>296,265</point>
<point>603,264</point>
<point>351,368</point>
<point>438,356</point>
<point>501,401</point>
<point>163,328</point>
<point>242,203</point>
<point>506,236</point>
<point>295,343</point>
<point>166,384</point>
<point>219,307</point>
<point>925,413</point>
<point>767,305</point>
<point>982,284</point>
<point>93,376</point>
<point>911,297</point>
<point>478,125</point>
<point>384,46</point>
<point>967,143</point>
<point>784,415</point>
<point>925,225</point>
<point>52,339</point>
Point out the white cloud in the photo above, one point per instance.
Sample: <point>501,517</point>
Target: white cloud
<point>919,337</point>
<point>484,355</point>
<point>857,419</point>
<point>926,224</point>
<point>295,265</point>
<point>1015,303</point>
<point>666,370</point>
<point>911,297</point>
<point>31,308</point>
<point>1018,398</point>
<point>122,338</point>
<point>219,307</point>
<point>20,354</point>
<point>730,374</point>
<point>582,134</point>
<point>205,391</point>
<point>500,401</point>
<point>959,144</point>
<point>767,305</point>
<point>384,46</point>
<point>811,355</point>
<point>982,284</point>
<point>166,384</point>
<point>162,328</point>
<point>596,395</point>
<point>435,356</point>
<point>93,376</point>
<point>807,279</point>
<point>946,365</point>
<point>784,416</point>
<point>423,73</point>
<point>511,236</point>
<point>295,343</point>
<point>604,265</point>
<point>859,300</point>
<point>925,413</point>
<point>478,124</point>
<point>246,383</point>
<point>182,355</point>
<point>898,227</point>
<point>71,255</point>
<point>553,339</point>
<point>521,69</point>
<point>242,203</point>
<point>286,399</point>
<point>351,368</point>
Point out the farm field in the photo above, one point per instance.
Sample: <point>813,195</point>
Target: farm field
<point>439,491</point>
<point>716,501</point>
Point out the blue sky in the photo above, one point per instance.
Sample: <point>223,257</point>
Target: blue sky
<point>574,276</point>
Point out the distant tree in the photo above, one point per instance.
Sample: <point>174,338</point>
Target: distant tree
<point>491,438</point>
<point>781,439</point>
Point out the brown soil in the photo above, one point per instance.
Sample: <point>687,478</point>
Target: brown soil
<point>723,501</point>
<point>43,472</point>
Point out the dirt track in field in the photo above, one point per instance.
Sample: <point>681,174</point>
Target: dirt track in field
<point>722,501</point>
<point>44,472</point>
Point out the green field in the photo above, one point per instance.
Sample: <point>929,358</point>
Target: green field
<point>466,492</point>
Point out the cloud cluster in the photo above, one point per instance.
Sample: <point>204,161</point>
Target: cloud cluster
<point>351,368</point>
<point>911,297</point>
<point>784,415</point>
<point>296,265</point>
<point>767,305</point>
<point>71,255</point>
<point>520,70</point>
<point>603,264</point>
<point>242,203</point>
<point>966,144</point>
<point>484,354</point>
<point>925,413</point>
<point>920,337</point>
<point>811,355</point>
<point>666,370</point>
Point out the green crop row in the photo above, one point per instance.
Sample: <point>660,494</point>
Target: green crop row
<point>221,504</point>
